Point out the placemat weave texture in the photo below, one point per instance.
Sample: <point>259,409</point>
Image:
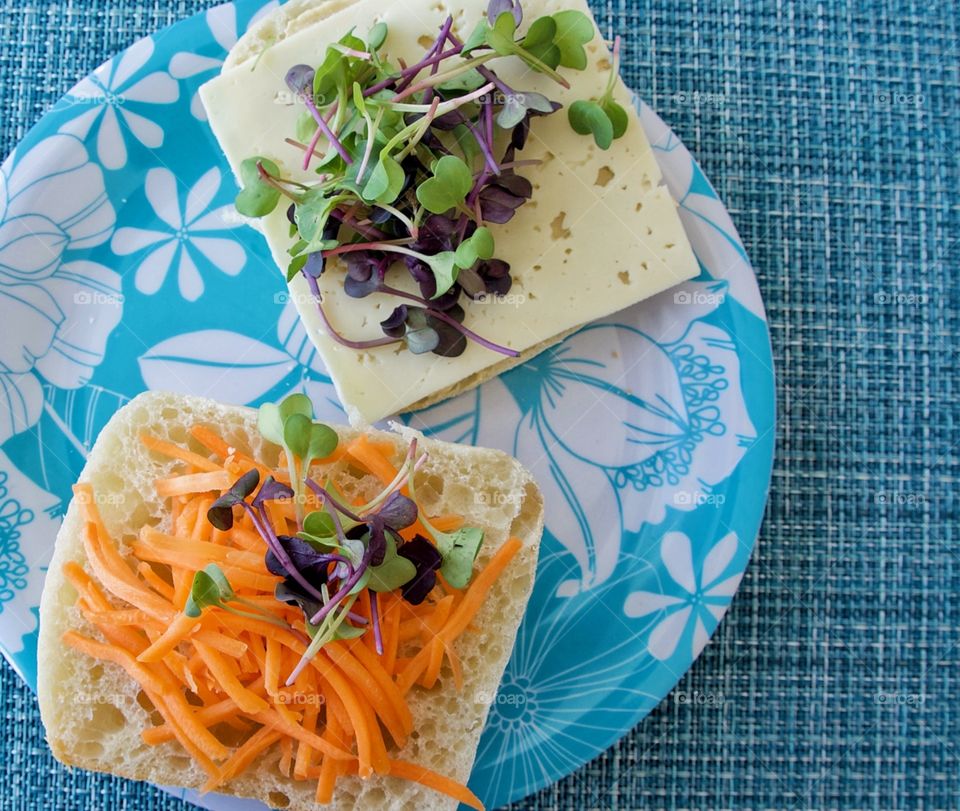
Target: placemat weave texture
<point>831,131</point>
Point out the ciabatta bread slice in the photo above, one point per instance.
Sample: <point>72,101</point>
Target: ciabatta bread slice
<point>92,711</point>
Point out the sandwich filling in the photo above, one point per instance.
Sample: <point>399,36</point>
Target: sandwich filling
<point>276,617</point>
<point>447,189</point>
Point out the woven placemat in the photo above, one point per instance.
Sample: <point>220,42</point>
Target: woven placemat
<point>831,130</point>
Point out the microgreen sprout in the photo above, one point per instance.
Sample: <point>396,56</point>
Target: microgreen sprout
<point>394,151</point>
<point>211,588</point>
<point>604,117</point>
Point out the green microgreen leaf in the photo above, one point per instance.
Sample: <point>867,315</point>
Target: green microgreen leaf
<point>445,270</point>
<point>479,246</point>
<point>204,592</point>
<point>308,440</point>
<point>306,127</point>
<point>258,197</point>
<point>588,117</point>
<point>477,38</point>
<point>385,182</point>
<point>377,36</point>
<point>459,550</point>
<point>574,30</point>
<point>465,82</point>
<point>617,115</point>
<point>449,186</point>
<point>394,572</point>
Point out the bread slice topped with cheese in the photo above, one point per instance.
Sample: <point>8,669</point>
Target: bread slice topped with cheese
<point>450,188</point>
<point>267,607</point>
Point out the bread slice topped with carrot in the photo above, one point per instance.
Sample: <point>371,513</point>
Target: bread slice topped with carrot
<point>261,605</point>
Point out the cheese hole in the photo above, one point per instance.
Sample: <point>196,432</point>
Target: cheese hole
<point>557,228</point>
<point>624,276</point>
<point>604,176</point>
<point>425,42</point>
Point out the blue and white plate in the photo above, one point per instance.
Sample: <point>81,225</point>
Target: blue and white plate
<point>651,432</point>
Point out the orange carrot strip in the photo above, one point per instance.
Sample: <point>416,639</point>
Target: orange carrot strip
<point>224,644</point>
<point>108,565</point>
<point>215,713</point>
<point>175,633</point>
<point>259,742</point>
<point>157,583</point>
<point>374,666</point>
<point>271,670</point>
<point>356,714</point>
<point>329,769</point>
<point>127,638</point>
<point>447,523</point>
<point>425,777</point>
<point>273,719</point>
<point>478,589</point>
<point>286,755</point>
<point>173,451</point>
<point>219,668</point>
<point>304,750</point>
<point>372,459</point>
<point>368,687</point>
<point>455,666</point>
<point>188,483</point>
<point>432,673</point>
<point>211,441</point>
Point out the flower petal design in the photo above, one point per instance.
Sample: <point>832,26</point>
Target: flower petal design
<point>89,296</point>
<point>56,180</point>
<point>665,636</point>
<point>31,315</point>
<point>215,363</point>
<point>725,588</point>
<point>201,195</point>
<point>111,148</point>
<point>225,254</point>
<point>156,88</point>
<point>568,484</point>
<point>594,378</point>
<point>130,240</point>
<point>643,603</point>
<point>718,559</point>
<point>222,22</point>
<point>30,247</point>
<point>189,279</point>
<point>185,65</point>
<point>143,129</point>
<point>223,218</point>
<point>161,189</point>
<point>123,68</point>
<point>81,125</point>
<point>700,638</point>
<point>677,556</point>
<point>21,403</point>
<point>153,269</point>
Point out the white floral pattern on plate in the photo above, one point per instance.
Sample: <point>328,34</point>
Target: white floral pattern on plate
<point>116,101</point>
<point>190,233</point>
<point>58,306</point>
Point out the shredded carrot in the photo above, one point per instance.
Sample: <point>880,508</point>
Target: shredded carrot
<point>157,583</point>
<point>223,673</point>
<point>220,669</point>
<point>372,459</point>
<point>430,779</point>
<point>177,631</point>
<point>261,740</point>
<point>188,483</point>
<point>174,451</point>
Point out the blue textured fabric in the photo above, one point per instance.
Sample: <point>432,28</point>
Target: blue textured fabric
<point>830,130</point>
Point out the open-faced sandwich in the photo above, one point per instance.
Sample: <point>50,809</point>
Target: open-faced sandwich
<point>449,188</point>
<point>261,605</point>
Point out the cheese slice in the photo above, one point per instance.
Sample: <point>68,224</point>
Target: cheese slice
<point>600,234</point>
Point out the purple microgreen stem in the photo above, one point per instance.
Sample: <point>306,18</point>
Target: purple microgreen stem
<point>323,130</point>
<point>336,336</point>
